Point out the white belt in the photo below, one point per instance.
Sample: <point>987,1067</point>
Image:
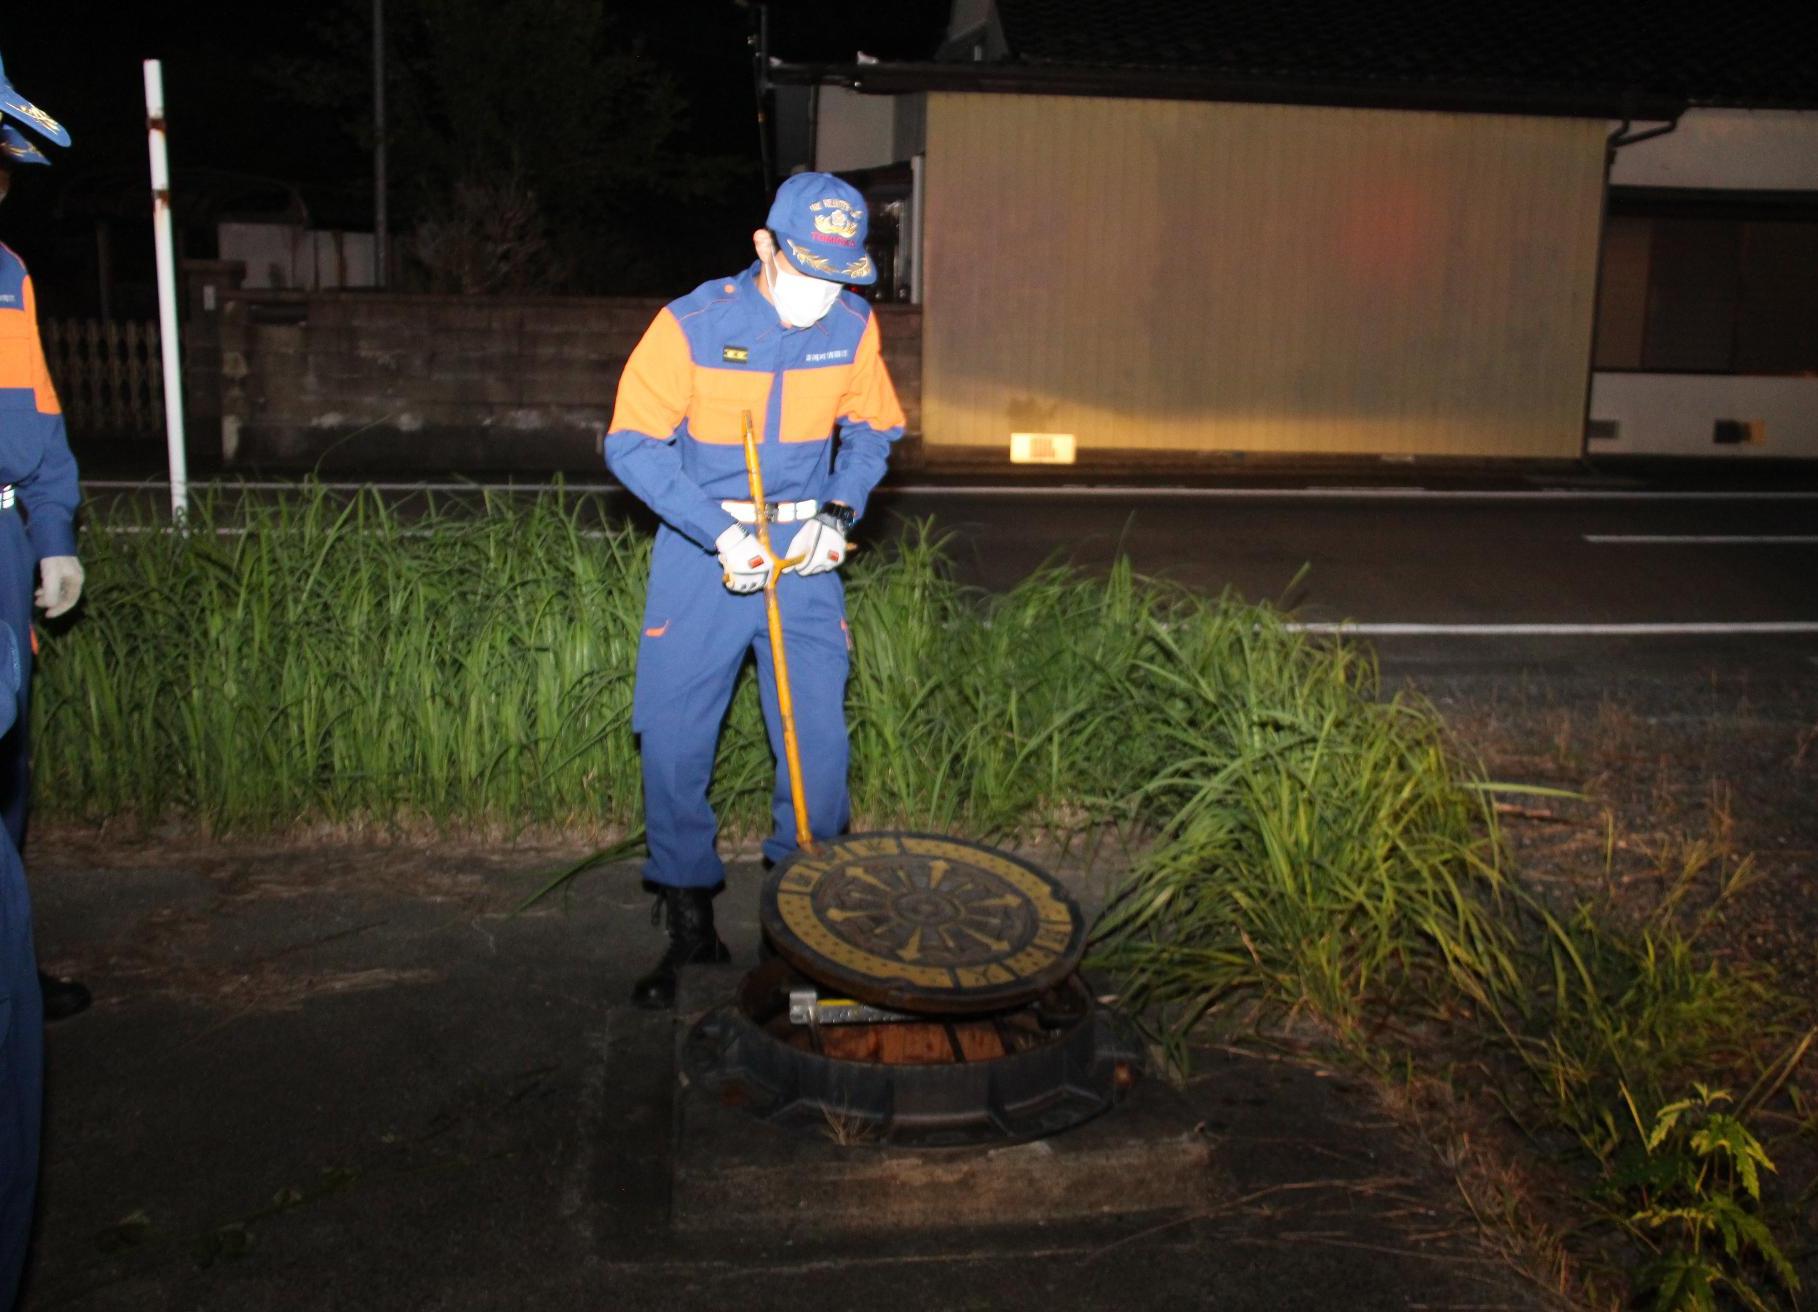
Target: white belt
<point>781,512</point>
<point>7,496</point>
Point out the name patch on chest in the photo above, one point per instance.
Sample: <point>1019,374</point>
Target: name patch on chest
<point>735,354</point>
<point>821,357</point>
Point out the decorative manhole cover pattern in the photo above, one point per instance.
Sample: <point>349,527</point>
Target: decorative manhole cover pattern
<point>923,923</point>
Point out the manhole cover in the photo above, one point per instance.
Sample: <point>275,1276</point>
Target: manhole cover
<point>923,923</point>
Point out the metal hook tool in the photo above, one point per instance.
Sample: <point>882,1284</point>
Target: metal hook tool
<point>785,705</point>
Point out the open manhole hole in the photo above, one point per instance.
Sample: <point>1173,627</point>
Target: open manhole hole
<point>1020,1073</point>
<point>926,993</point>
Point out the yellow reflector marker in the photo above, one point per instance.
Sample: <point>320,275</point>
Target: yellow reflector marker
<point>1041,448</point>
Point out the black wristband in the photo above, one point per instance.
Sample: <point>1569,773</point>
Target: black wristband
<point>839,514</point>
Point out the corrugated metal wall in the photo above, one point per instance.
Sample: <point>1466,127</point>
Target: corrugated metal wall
<point>1179,276</point>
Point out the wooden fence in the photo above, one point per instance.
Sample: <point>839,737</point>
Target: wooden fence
<point>108,375</point>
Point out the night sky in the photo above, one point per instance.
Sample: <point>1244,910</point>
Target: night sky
<point>241,142</point>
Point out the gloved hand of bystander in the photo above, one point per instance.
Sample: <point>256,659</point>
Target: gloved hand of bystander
<point>819,545</point>
<point>743,558</point>
<point>61,588</point>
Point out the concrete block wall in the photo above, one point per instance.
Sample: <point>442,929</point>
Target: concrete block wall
<point>414,383</point>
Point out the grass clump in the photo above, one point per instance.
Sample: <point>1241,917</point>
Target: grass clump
<point>991,714</point>
<point>1694,1177</point>
<point>1322,853</point>
<point>1613,1026</point>
<point>1316,848</point>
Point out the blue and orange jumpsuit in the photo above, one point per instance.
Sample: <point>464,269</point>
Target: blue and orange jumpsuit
<point>38,505</point>
<point>39,478</point>
<point>676,442</point>
<point>21,1025</point>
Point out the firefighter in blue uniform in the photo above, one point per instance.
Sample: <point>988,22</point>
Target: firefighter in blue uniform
<point>38,491</point>
<point>38,497</point>
<point>787,342</point>
<point>21,1023</point>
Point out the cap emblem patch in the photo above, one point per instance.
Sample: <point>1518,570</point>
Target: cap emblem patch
<point>836,220</point>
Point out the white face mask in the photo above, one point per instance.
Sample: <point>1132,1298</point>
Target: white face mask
<point>800,300</point>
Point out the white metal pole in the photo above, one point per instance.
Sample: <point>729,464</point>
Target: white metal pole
<point>918,183</point>
<point>167,289</point>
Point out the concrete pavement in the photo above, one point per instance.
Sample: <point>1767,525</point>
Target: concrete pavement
<point>349,1078</point>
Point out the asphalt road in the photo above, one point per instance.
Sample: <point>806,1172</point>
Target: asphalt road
<point>1430,557</point>
<point>1471,579</point>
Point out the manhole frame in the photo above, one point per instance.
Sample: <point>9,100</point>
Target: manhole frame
<point>1085,1069</point>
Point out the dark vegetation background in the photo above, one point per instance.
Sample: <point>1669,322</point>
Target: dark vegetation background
<point>613,147</point>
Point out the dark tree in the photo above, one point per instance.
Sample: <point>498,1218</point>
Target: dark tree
<point>532,146</point>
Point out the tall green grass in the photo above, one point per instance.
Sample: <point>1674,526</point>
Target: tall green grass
<point>992,713</point>
<point>332,659</point>
<point>320,659</point>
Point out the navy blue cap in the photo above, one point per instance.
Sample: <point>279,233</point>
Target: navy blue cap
<point>17,148</point>
<point>820,225</point>
<point>16,107</point>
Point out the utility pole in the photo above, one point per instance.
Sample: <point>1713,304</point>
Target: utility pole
<point>380,255</point>
<point>760,70</point>
<point>167,290</point>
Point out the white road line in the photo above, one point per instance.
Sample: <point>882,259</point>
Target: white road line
<point>1671,629</point>
<point>1700,539</point>
<point>1026,490</point>
<point>1336,493</point>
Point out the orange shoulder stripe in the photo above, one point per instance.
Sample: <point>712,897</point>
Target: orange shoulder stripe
<point>655,386</point>
<point>871,396</point>
<point>44,392</point>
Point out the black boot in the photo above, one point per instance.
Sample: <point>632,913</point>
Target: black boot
<point>692,940</point>
<point>62,997</point>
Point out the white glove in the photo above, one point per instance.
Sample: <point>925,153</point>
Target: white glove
<point>61,587</point>
<point>746,564</point>
<point>819,545</point>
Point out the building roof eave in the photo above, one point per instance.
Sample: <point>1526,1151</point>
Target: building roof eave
<point>1177,84</point>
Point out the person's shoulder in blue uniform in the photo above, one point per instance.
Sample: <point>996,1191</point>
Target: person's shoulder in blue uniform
<point>707,313</point>
<point>850,315</point>
<point>714,292</point>
<point>12,278</point>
